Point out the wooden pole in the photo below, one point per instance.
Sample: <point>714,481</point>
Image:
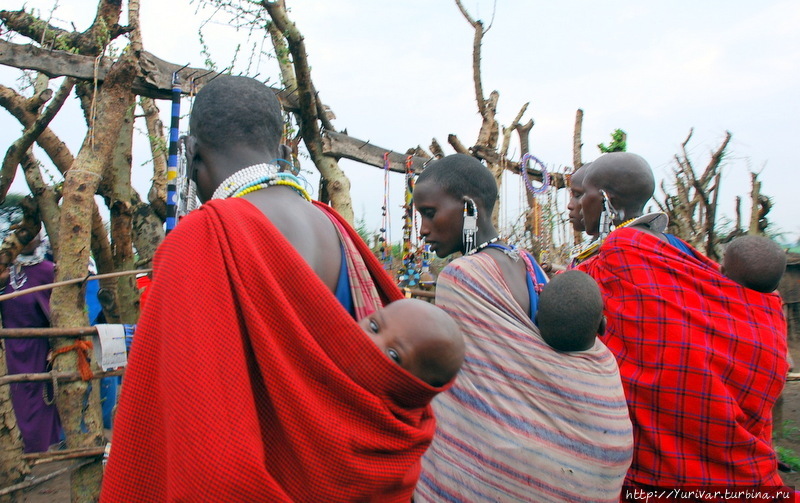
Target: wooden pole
<point>60,376</point>
<point>38,458</point>
<point>28,333</point>
<point>72,281</point>
<point>34,482</point>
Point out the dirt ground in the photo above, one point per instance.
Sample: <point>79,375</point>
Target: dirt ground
<point>57,489</point>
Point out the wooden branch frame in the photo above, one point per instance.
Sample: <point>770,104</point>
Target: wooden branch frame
<point>344,146</point>
<point>73,281</point>
<point>154,82</point>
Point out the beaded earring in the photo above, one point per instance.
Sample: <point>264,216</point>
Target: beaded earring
<point>607,215</point>
<point>470,227</point>
<point>187,186</point>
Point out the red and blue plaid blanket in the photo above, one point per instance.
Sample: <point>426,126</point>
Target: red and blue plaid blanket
<point>702,361</point>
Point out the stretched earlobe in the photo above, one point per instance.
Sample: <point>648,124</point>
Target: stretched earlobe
<point>190,151</point>
<point>284,152</point>
<point>470,226</point>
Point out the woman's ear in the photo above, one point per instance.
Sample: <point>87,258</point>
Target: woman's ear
<point>190,149</point>
<point>285,152</point>
<point>472,206</point>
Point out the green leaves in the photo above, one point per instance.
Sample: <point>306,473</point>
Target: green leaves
<point>618,142</point>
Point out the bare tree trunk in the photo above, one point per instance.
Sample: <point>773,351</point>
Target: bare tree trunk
<point>523,131</point>
<point>755,192</point>
<point>158,148</point>
<point>337,183</point>
<point>122,222</point>
<point>692,209</point>
<point>577,141</point>
<point>738,214</point>
<point>577,162</point>
<point>84,427</point>
<point>490,129</point>
<point>148,231</point>
<point>46,198</point>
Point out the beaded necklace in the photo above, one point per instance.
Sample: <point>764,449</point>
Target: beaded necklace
<point>595,245</point>
<point>483,245</point>
<point>257,177</point>
<point>656,221</point>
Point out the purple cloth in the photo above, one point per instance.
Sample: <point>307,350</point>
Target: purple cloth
<point>37,421</point>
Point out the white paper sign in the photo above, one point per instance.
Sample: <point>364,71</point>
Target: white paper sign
<point>109,346</point>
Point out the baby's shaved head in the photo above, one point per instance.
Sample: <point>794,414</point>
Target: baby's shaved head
<point>570,311</point>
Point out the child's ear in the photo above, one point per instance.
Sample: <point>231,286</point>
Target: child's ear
<point>601,329</point>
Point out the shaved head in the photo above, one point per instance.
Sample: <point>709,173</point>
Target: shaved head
<point>755,262</point>
<point>570,311</point>
<point>625,176</point>
<point>462,175</point>
<point>233,110</point>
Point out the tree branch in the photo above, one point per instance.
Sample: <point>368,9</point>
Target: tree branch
<point>155,80</point>
<point>17,106</point>
<point>477,25</point>
<point>17,150</point>
<point>507,131</point>
<point>341,145</point>
<point>523,132</point>
<point>577,141</point>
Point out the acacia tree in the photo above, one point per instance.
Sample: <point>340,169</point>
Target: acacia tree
<point>106,106</point>
<point>488,146</point>
<point>83,426</point>
<point>692,207</point>
<point>691,202</point>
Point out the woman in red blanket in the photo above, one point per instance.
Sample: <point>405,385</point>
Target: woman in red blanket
<point>702,358</point>
<point>250,379</point>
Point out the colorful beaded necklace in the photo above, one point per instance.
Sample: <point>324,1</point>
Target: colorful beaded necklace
<point>656,221</point>
<point>257,177</point>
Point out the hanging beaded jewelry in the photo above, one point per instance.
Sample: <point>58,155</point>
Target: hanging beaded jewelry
<point>484,245</point>
<point>256,177</point>
<point>607,216</point>
<point>593,246</point>
<point>470,227</point>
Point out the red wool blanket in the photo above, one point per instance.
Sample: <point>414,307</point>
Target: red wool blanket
<point>702,361</point>
<point>248,381</point>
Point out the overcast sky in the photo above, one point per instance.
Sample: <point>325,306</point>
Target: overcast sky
<point>399,74</point>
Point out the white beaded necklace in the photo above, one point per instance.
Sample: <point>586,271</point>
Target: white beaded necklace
<point>243,177</point>
<point>484,245</point>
